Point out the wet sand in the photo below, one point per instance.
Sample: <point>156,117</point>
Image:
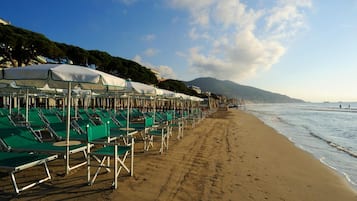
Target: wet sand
<point>230,155</point>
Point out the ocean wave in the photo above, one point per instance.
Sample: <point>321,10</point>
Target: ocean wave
<point>332,110</point>
<point>335,145</point>
<point>348,178</point>
<point>322,160</point>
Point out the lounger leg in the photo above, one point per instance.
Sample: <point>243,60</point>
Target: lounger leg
<point>97,172</point>
<point>150,143</point>
<point>132,158</point>
<point>18,190</point>
<point>12,176</point>
<point>162,141</point>
<point>88,167</point>
<point>169,130</point>
<point>116,167</point>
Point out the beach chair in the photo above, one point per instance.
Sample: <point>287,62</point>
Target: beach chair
<point>40,126</point>
<point>59,130</point>
<point>179,125</point>
<point>12,163</point>
<point>163,132</point>
<point>50,116</point>
<point>107,150</point>
<point>22,139</point>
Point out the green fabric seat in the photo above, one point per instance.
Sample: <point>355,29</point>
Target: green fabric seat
<point>105,152</point>
<point>22,139</point>
<point>109,150</point>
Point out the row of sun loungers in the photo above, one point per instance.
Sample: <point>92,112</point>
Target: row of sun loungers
<point>98,134</point>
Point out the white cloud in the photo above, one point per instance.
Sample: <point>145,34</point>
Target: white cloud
<point>127,2</point>
<point>149,37</point>
<point>285,19</point>
<point>194,35</point>
<point>181,54</point>
<point>165,71</point>
<point>199,9</point>
<point>236,41</point>
<point>150,52</point>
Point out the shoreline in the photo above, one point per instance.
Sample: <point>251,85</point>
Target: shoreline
<point>290,135</point>
<point>231,155</point>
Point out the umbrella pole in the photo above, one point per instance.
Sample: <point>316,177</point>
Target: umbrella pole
<point>154,110</point>
<point>68,126</point>
<point>27,106</point>
<point>10,104</point>
<point>115,104</point>
<point>127,116</point>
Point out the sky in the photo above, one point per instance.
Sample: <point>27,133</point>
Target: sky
<point>305,49</point>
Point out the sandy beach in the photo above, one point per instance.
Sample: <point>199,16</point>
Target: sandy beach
<point>230,155</point>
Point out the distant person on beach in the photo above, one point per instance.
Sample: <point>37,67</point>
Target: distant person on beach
<point>340,106</point>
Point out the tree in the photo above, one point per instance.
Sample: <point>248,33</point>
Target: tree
<point>23,54</point>
<point>6,54</point>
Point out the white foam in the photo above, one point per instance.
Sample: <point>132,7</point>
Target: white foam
<point>349,179</point>
<point>322,160</point>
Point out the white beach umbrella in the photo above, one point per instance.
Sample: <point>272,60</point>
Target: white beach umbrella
<point>141,89</point>
<point>62,76</point>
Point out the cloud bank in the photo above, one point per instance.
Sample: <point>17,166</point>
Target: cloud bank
<point>234,41</point>
<point>165,71</point>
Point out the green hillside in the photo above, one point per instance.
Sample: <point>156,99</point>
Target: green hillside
<point>234,90</point>
<point>24,45</point>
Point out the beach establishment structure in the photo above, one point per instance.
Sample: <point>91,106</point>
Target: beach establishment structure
<point>55,110</point>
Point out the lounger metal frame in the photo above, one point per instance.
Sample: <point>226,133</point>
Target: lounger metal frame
<point>22,165</point>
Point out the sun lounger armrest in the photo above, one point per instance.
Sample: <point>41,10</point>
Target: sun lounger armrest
<point>110,143</point>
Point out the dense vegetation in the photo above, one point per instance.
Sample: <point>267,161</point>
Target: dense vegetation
<point>22,46</point>
<point>177,86</point>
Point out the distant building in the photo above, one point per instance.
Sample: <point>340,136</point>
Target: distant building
<point>157,74</point>
<point>4,22</point>
<point>207,93</point>
<point>196,88</point>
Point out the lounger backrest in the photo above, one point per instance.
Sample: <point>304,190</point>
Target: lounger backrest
<point>18,137</point>
<point>120,119</point>
<point>5,122</point>
<point>52,118</point>
<point>60,130</point>
<point>96,132</point>
<point>148,122</point>
<point>168,116</point>
<point>159,117</point>
<point>35,119</point>
<point>111,123</point>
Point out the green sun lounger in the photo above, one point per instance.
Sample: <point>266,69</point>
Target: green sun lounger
<point>21,139</point>
<point>12,163</point>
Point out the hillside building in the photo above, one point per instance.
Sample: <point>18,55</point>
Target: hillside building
<point>196,89</point>
<point>4,22</point>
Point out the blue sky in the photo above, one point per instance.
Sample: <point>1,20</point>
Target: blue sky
<point>302,48</point>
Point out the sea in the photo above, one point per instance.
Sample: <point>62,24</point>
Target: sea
<point>326,130</point>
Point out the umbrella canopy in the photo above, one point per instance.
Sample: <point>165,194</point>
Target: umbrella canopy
<point>143,89</point>
<point>58,75</point>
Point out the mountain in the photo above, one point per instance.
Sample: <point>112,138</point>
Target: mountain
<point>234,90</point>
